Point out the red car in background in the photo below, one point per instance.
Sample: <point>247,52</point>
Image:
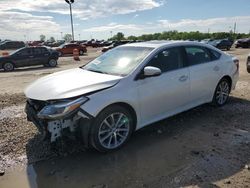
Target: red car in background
<point>69,48</point>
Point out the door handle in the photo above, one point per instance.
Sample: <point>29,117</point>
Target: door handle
<point>183,78</point>
<point>31,56</point>
<point>216,68</point>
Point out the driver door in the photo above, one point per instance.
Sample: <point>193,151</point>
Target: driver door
<point>168,93</point>
<point>24,57</point>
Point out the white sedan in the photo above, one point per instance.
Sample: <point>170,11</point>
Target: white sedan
<point>128,88</point>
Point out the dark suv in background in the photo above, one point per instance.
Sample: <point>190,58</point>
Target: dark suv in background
<point>9,45</point>
<point>223,44</point>
<point>243,43</point>
<point>30,56</point>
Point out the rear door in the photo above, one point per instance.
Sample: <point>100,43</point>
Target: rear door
<point>41,55</point>
<point>168,93</point>
<point>205,72</point>
<point>70,48</point>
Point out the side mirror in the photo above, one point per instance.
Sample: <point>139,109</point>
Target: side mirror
<point>151,71</point>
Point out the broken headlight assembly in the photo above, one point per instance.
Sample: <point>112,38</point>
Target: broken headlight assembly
<point>61,109</point>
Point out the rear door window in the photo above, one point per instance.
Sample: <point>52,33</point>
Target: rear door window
<point>214,54</point>
<point>37,51</point>
<point>197,55</point>
<point>44,50</point>
<point>71,46</point>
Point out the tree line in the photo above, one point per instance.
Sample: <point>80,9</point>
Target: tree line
<point>175,35</point>
<point>66,37</point>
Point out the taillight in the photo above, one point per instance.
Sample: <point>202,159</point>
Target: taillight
<point>236,62</point>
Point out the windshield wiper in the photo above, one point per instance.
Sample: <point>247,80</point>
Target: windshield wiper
<point>98,71</point>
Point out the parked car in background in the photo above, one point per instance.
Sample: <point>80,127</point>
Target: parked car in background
<point>115,44</point>
<point>10,45</point>
<point>128,88</point>
<point>207,41</point>
<point>248,63</point>
<point>242,43</point>
<point>35,43</point>
<point>223,44</point>
<point>29,56</point>
<point>69,48</point>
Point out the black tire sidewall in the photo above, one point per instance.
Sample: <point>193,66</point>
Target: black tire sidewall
<point>8,70</point>
<point>215,102</point>
<point>52,65</point>
<point>94,140</point>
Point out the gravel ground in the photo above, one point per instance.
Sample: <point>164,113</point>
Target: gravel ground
<point>203,147</point>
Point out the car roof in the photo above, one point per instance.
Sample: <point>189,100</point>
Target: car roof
<point>165,43</point>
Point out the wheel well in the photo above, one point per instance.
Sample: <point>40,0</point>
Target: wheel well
<point>129,108</point>
<point>9,62</point>
<point>228,78</point>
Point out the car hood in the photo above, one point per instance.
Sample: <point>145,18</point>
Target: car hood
<point>69,83</point>
<point>56,48</point>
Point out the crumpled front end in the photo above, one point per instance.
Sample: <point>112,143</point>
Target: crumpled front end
<point>54,128</point>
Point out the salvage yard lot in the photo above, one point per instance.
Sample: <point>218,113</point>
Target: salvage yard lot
<point>205,147</point>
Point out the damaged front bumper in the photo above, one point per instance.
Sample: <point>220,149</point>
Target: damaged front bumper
<point>53,129</point>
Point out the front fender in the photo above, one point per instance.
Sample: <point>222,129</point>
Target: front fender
<point>100,100</point>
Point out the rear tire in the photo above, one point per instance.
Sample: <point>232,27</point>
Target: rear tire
<point>111,129</point>
<point>222,92</point>
<point>8,67</point>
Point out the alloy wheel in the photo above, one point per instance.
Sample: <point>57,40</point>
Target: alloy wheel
<point>52,63</point>
<point>222,92</point>
<point>114,130</point>
<point>8,66</point>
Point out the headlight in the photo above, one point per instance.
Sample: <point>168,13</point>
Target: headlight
<point>55,111</point>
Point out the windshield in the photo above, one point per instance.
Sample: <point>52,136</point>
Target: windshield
<point>16,51</point>
<point>119,61</point>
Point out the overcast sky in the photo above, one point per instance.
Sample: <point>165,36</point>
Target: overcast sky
<point>28,19</point>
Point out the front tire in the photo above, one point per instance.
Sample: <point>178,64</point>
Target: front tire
<point>222,92</point>
<point>8,67</point>
<point>111,129</point>
<point>52,63</point>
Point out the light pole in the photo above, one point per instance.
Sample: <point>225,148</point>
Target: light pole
<point>61,35</point>
<point>70,2</point>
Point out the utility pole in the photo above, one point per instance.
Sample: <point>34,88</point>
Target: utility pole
<point>70,2</point>
<point>235,28</point>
